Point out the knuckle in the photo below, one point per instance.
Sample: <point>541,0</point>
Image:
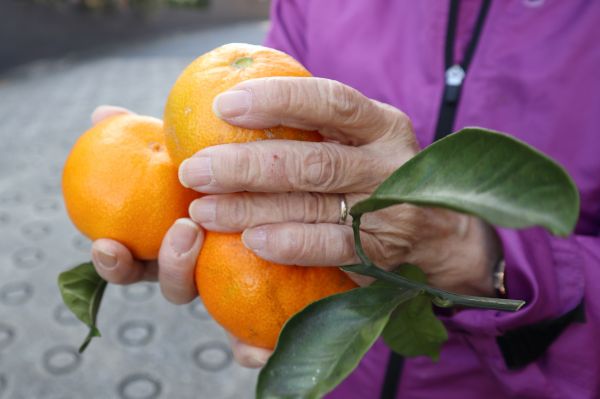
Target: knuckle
<point>287,206</point>
<point>399,126</point>
<point>244,168</point>
<point>278,93</point>
<point>295,244</point>
<point>386,253</point>
<point>344,102</point>
<point>390,254</point>
<point>235,212</point>
<point>282,95</point>
<point>319,167</point>
<point>335,245</point>
<point>113,276</point>
<point>315,209</point>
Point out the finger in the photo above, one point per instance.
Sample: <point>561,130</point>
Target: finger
<point>115,264</point>
<point>282,166</point>
<point>302,244</point>
<point>177,260</point>
<point>236,212</point>
<point>339,112</point>
<point>249,356</point>
<point>104,111</point>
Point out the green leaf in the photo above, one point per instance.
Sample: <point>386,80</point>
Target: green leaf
<point>82,289</point>
<point>320,345</point>
<point>413,328</point>
<point>488,174</point>
<point>411,272</point>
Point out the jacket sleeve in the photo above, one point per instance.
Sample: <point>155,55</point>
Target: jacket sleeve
<point>288,22</point>
<point>547,272</point>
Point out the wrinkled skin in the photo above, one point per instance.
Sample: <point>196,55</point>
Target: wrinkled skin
<point>285,197</point>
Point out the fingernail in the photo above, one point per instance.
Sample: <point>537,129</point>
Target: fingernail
<point>106,259</point>
<point>232,103</point>
<point>183,235</point>
<point>195,172</point>
<point>262,357</point>
<point>257,361</point>
<point>255,239</point>
<point>203,210</point>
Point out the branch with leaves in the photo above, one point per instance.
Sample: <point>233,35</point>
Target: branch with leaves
<point>476,171</point>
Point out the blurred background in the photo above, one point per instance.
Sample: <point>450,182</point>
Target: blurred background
<point>58,60</point>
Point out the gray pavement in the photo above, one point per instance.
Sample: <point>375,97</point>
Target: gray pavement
<point>149,348</point>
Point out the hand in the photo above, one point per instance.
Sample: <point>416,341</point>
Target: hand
<point>284,195</point>
<point>177,256</point>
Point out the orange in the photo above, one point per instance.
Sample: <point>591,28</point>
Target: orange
<point>250,297</point>
<point>190,123</point>
<point>119,182</point>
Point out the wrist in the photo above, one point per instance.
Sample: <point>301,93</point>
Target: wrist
<point>487,260</point>
<point>472,258</point>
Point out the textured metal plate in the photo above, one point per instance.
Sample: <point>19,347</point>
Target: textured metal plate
<point>149,348</point>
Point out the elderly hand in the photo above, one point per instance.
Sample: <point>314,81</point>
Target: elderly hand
<point>285,196</point>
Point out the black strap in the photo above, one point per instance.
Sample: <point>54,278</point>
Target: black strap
<point>392,376</point>
<point>527,344</point>
<point>453,86</point>
<point>470,50</point>
<point>444,127</point>
<point>451,34</point>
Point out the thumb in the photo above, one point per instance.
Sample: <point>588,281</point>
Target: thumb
<point>248,356</point>
<point>177,261</point>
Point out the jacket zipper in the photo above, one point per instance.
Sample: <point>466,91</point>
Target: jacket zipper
<point>455,73</point>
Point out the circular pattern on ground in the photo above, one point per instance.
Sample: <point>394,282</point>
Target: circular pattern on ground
<point>27,257</point>
<point>82,243</point>
<point>139,386</point>
<point>61,360</point>
<point>36,230</point>
<point>135,333</point>
<point>138,292</point>
<point>3,383</point>
<point>212,356</point>
<point>45,206</point>
<point>7,335</point>
<point>64,316</point>
<point>198,311</point>
<point>15,293</point>
<point>11,198</point>
<point>51,187</point>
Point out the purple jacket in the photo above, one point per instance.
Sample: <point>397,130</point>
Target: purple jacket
<point>535,75</point>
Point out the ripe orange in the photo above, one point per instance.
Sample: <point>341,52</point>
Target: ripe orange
<point>119,182</point>
<point>252,298</point>
<point>191,125</point>
<point>248,296</point>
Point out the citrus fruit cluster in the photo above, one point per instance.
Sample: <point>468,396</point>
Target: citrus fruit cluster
<point>120,182</point>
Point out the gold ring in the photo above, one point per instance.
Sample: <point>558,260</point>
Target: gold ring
<point>343,210</point>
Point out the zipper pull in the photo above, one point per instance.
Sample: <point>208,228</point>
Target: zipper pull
<point>454,79</point>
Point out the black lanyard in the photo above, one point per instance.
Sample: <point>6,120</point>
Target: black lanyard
<point>455,73</point>
<point>454,76</point>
